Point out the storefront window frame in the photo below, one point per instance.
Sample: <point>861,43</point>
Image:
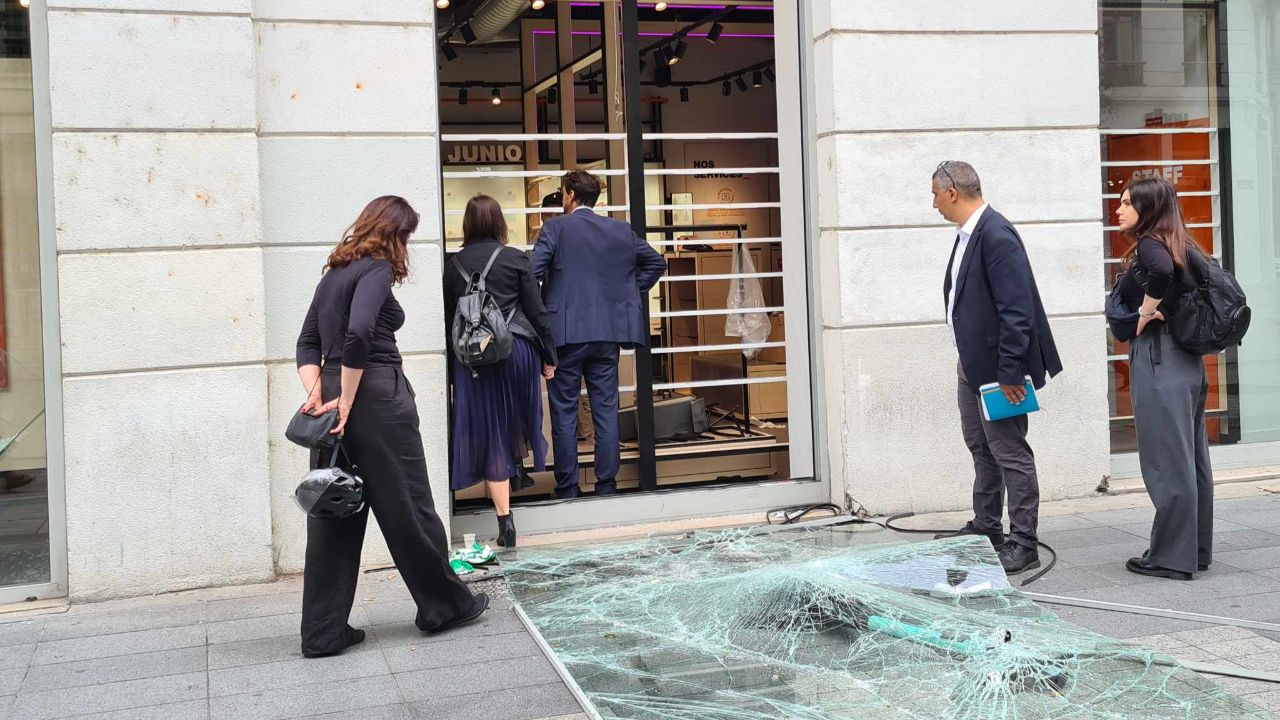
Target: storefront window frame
<point>1231,455</point>
<point>809,481</point>
<point>57,586</point>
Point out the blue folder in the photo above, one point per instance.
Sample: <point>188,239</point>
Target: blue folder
<point>995,406</point>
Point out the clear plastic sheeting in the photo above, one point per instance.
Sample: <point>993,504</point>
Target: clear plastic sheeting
<point>838,622</point>
<point>745,293</point>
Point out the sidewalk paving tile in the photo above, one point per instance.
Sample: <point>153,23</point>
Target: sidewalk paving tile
<point>1088,537</point>
<point>344,699</point>
<point>101,646</point>
<point>189,710</point>
<point>113,696</point>
<point>524,703</point>
<point>464,651</point>
<point>293,673</point>
<point>1232,649</point>
<point>21,632</point>
<point>257,606</point>
<point>101,671</point>
<point>382,712</point>
<point>16,656</point>
<point>11,680</point>
<point>468,679</point>
<point>123,621</point>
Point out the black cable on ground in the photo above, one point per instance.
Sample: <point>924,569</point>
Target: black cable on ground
<point>792,514</point>
<point>1053,560</point>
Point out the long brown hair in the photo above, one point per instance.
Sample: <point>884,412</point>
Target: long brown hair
<point>382,231</point>
<point>1160,217</point>
<point>483,221</point>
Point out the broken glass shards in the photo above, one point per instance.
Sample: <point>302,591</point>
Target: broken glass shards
<point>841,622</point>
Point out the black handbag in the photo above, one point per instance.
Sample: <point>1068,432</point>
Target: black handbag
<point>313,432</point>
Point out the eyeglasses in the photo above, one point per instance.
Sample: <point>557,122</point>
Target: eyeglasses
<point>942,167</point>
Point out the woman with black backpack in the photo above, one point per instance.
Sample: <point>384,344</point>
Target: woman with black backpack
<point>1169,385</point>
<point>497,398</point>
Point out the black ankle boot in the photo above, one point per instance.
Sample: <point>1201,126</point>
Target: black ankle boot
<point>507,530</point>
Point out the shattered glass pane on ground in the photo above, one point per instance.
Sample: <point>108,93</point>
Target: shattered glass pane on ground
<point>841,622</point>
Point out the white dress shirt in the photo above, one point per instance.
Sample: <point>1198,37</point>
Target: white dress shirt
<point>965,232</point>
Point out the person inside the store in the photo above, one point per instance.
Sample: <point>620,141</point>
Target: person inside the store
<point>1001,334</point>
<point>595,274</point>
<point>497,418</point>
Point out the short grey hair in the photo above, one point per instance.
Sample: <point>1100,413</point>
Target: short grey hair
<point>959,175</point>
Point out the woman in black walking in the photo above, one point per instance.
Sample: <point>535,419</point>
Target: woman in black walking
<point>1169,385</point>
<point>348,360</point>
<point>498,412</point>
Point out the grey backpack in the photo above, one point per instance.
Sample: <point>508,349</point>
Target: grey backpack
<point>481,335</point>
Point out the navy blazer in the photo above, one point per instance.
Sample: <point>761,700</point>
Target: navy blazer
<point>1001,328</point>
<point>595,272</point>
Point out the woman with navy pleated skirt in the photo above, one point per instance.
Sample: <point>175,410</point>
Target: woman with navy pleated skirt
<point>497,418</point>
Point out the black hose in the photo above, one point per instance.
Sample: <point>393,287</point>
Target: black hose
<point>1053,559</point>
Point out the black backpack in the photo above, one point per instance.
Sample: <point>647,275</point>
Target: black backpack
<point>1211,315</point>
<point>481,334</point>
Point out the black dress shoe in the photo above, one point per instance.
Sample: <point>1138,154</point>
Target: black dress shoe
<point>1017,558</point>
<point>1140,566</point>
<point>996,538</point>
<point>354,637</point>
<point>481,604</point>
<point>1202,567</point>
<point>606,488</point>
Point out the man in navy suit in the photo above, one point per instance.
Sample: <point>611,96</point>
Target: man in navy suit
<point>999,328</point>
<point>595,274</point>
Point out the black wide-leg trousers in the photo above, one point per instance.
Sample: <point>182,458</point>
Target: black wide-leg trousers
<point>383,444</point>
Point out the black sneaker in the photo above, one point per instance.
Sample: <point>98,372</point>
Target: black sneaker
<point>996,538</point>
<point>1017,558</point>
<point>1140,566</point>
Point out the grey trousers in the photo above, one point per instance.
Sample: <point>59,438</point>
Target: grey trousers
<point>1169,388</point>
<point>1003,464</point>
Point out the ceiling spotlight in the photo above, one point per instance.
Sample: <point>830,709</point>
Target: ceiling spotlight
<point>553,96</point>
<point>659,6</point>
<point>661,56</point>
<point>538,4</point>
<point>462,96</point>
<point>593,86</point>
<point>677,54</point>
<point>725,89</point>
<point>468,35</point>
<point>25,3</point>
<point>713,35</point>
<point>768,72</point>
<point>442,4</point>
<point>742,84</point>
<point>757,79</point>
<point>449,53</point>
<point>495,97</point>
<point>684,94</point>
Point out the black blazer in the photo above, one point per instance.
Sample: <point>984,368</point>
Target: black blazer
<point>512,285</point>
<point>1001,328</point>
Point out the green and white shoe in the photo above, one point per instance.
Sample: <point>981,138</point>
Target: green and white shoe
<point>476,554</point>
<point>461,567</point>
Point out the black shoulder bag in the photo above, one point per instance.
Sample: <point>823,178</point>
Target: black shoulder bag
<point>313,432</point>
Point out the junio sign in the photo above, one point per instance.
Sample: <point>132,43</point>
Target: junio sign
<point>473,153</point>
